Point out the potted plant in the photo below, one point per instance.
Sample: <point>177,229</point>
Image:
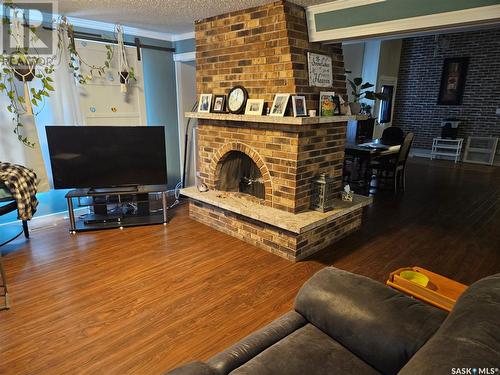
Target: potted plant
<point>360,91</point>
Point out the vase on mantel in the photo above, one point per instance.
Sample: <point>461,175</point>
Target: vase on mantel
<point>355,108</point>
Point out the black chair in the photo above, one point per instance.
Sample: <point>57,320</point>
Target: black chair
<point>9,204</point>
<point>3,286</point>
<point>396,168</point>
<point>392,136</point>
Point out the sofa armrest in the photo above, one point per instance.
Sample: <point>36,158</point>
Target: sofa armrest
<point>194,368</point>
<point>468,338</point>
<point>378,324</point>
<point>255,343</point>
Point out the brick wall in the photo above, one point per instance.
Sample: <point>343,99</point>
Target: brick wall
<point>416,107</point>
<point>265,50</point>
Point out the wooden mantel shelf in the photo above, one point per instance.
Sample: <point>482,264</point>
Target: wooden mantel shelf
<point>286,120</point>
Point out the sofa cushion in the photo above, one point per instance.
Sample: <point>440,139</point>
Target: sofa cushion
<point>468,339</point>
<point>305,351</point>
<point>380,325</point>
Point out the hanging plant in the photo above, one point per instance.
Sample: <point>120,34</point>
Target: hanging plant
<point>66,30</point>
<point>126,73</point>
<point>34,71</point>
<point>25,68</point>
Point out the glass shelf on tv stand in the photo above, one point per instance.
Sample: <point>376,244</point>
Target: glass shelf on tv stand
<point>120,199</point>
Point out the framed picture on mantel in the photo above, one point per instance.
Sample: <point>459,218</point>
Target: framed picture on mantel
<point>453,81</point>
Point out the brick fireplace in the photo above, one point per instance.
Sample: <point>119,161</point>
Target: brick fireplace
<point>260,169</point>
<point>288,156</point>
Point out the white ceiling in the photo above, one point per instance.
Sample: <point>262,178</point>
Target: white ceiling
<point>168,16</point>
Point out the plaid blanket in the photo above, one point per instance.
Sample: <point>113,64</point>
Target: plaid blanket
<point>22,183</point>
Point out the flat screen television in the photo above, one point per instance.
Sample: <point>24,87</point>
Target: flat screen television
<point>107,156</point>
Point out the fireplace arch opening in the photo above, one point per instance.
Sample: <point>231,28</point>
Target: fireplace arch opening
<point>237,172</point>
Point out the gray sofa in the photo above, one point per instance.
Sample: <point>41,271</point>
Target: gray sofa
<point>348,324</point>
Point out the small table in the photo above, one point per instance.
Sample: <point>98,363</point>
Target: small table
<point>440,292</point>
<point>450,148</point>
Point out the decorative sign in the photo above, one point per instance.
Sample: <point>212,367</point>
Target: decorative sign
<point>320,70</point>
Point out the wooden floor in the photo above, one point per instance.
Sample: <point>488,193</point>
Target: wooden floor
<point>144,300</point>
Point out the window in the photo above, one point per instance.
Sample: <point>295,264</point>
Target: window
<point>385,114</point>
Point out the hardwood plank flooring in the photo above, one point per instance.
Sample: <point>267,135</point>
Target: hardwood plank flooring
<point>146,299</point>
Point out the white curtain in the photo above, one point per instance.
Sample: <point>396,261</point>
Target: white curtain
<point>61,108</point>
<point>14,151</point>
<point>64,102</point>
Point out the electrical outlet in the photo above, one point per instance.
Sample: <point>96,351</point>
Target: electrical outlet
<point>498,111</point>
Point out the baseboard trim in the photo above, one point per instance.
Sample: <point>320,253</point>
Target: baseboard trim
<point>420,153</point>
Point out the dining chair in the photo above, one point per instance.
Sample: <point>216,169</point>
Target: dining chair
<point>396,168</point>
<point>392,136</point>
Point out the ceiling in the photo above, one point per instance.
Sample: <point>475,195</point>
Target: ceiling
<point>168,16</point>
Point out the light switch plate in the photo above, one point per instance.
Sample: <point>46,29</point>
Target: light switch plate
<point>498,111</point>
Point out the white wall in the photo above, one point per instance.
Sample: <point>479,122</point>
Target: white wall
<point>390,55</point>
<point>353,61</point>
<point>371,60</point>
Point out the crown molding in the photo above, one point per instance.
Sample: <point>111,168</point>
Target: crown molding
<point>340,4</point>
<point>128,30</point>
<point>186,56</point>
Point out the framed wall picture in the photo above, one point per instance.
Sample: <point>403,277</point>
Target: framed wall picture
<point>219,104</point>
<point>254,107</point>
<point>279,105</point>
<point>205,103</point>
<point>453,81</point>
<point>299,106</point>
<point>320,70</point>
<point>329,104</point>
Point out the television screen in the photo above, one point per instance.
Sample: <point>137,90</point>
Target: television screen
<point>107,156</point>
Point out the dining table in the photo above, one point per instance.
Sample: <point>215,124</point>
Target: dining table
<point>362,154</point>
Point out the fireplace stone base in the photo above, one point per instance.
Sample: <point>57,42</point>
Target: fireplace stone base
<point>295,238</point>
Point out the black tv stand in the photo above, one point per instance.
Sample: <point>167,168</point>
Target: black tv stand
<point>116,189</point>
<point>144,205</point>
